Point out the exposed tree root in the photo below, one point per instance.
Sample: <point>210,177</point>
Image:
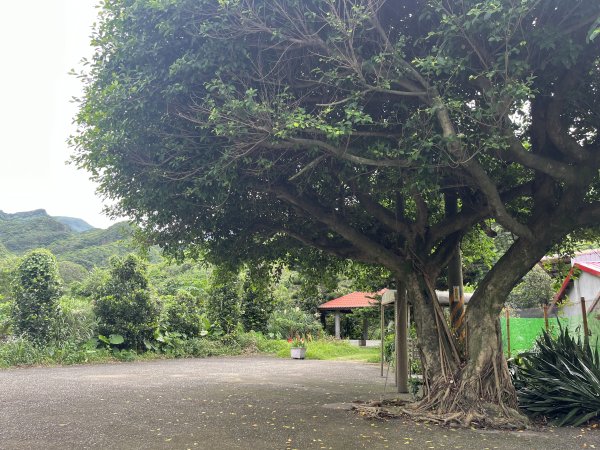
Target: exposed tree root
<point>486,416</point>
<point>488,401</point>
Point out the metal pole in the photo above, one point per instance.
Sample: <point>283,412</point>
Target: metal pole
<point>546,317</point>
<point>382,333</point>
<point>401,337</point>
<point>365,332</point>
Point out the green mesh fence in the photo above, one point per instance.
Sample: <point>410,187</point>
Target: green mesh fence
<point>527,325</point>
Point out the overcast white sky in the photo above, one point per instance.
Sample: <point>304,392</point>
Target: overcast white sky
<point>40,41</point>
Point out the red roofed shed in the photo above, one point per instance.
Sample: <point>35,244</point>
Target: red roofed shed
<point>346,304</point>
<point>352,300</point>
<point>582,281</point>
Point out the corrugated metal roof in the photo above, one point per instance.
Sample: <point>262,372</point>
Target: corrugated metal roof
<point>592,267</point>
<point>353,300</point>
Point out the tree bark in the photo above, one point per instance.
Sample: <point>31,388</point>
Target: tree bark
<point>439,356</point>
<point>455,277</point>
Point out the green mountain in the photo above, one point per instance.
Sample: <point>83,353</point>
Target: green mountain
<point>75,224</point>
<point>70,239</point>
<point>94,247</point>
<point>25,231</point>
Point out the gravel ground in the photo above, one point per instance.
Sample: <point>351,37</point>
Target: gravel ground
<point>226,403</point>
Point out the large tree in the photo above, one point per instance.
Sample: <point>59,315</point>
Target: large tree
<point>372,130</point>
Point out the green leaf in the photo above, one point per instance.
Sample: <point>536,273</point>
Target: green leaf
<point>116,339</point>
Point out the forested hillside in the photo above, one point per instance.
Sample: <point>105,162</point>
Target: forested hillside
<point>24,231</point>
<point>70,239</point>
<point>74,223</point>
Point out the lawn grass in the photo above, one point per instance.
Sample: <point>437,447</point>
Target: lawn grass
<point>326,349</point>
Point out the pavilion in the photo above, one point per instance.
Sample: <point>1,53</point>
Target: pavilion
<point>348,303</point>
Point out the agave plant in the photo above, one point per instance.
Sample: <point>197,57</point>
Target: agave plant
<point>559,379</point>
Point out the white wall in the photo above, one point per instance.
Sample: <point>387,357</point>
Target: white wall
<point>589,288</point>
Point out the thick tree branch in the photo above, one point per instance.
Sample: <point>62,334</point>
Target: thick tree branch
<point>382,214</point>
<point>321,243</point>
<point>555,128</point>
<point>465,219</point>
<point>548,166</point>
<point>472,214</point>
<point>422,218</point>
<point>379,253</point>
<point>344,154</point>
<point>478,174</point>
<point>443,252</point>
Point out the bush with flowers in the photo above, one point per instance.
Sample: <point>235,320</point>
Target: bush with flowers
<point>298,342</point>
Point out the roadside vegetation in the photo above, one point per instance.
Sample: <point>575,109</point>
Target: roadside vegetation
<point>136,310</point>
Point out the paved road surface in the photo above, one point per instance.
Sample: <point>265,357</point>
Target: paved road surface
<point>225,403</point>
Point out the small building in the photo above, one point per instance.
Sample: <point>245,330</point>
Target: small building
<point>348,303</point>
<point>582,282</point>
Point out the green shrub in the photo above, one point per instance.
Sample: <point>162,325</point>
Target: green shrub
<point>76,321</point>
<point>257,306</point>
<point>92,285</point>
<point>559,379</point>
<point>203,347</point>
<point>184,313</point>
<point>255,341</point>
<point>71,272</point>
<point>534,290</point>
<point>22,352</point>
<point>223,306</point>
<point>5,318</point>
<point>127,308</point>
<point>291,322</point>
<point>37,289</point>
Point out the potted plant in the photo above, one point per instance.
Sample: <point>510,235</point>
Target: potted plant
<point>298,349</point>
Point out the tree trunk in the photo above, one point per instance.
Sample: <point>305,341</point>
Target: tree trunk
<point>478,389</point>
<point>484,386</point>
<point>439,356</point>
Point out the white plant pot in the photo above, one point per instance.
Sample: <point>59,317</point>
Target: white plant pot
<point>298,352</point>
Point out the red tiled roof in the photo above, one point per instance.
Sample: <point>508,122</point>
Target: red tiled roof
<point>353,300</point>
<point>591,267</point>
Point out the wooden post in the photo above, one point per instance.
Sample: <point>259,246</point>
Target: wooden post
<point>337,325</point>
<point>546,316</point>
<point>382,333</point>
<point>396,337</point>
<point>456,296</point>
<point>507,330</point>
<point>586,330</point>
<point>401,318</point>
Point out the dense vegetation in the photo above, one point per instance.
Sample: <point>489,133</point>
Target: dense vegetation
<point>129,306</point>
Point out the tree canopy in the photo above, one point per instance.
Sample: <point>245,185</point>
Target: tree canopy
<point>373,130</point>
